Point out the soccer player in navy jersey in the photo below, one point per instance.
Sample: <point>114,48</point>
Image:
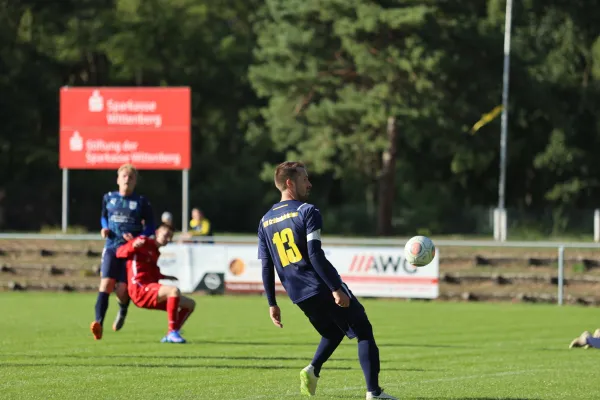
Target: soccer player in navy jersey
<point>125,215</point>
<point>587,340</point>
<point>289,241</point>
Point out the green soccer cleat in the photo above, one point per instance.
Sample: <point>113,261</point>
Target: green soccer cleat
<point>308,381</point>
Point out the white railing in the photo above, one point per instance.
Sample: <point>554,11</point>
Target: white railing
<point>341,241</point>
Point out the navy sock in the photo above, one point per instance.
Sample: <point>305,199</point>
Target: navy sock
<point>123,307</point>
<point>101,306</point>
<point>368,355</point>
<point>326,348</point>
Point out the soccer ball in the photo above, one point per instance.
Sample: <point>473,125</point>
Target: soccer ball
<point>419,251</point>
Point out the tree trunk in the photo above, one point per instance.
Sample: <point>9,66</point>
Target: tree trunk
<point>386,181</point>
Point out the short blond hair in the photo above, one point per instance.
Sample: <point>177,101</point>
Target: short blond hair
<point>286,170</point>
<point>129,168</point>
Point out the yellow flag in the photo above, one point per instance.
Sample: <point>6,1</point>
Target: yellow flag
<point>486,118</point>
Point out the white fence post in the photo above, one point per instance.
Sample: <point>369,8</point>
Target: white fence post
<point>596,225</point>
<point>185,199</point>
<point>65,201</point>
<point>561,273</point>
<point>500,224</point>
<point>503,224</point>
<point>497,229</point>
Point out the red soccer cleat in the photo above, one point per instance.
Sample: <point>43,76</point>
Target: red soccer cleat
<point>96,329</point>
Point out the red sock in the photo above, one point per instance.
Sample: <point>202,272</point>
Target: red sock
<point>184,313</point>
<point>172,311</point>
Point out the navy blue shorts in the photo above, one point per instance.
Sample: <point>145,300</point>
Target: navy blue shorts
<point>113,267</point>
<point>331,320</point>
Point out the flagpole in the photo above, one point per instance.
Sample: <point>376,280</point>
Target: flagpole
<point>504,123</point>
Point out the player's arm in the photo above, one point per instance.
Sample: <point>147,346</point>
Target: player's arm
<point>268,268</point>
<point>320,263</point>
<point>126,251</point>
<point>167,277</point>
<point>131,247</point>
<point>268,276</point>
<point>148,217</point>
<point>104,231</point>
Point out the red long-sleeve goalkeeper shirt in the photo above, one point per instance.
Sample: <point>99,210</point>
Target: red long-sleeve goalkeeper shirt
<point>142,267</point>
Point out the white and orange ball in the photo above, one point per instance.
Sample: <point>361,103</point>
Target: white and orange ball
<point>419,251</point>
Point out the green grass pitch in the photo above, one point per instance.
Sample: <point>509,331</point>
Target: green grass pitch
<point>429,350</point>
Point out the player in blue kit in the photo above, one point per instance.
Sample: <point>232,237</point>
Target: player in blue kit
<point>289,241</point>
<point>587,340</point>
<point>125,215</point>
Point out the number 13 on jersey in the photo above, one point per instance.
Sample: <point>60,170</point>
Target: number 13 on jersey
<point>288,255</point>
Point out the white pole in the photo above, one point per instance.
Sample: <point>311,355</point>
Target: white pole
<point>505,87</point>
<point>497,225</point>
<point>65,200</point>
<point>596,225</point>
<point>561,273</point>
<point>185,197</point>
<point>503,225</point>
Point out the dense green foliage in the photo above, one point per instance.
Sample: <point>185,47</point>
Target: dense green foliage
<point>320,81</point>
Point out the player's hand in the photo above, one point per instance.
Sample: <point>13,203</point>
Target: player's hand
<point>104,232</point>
<point>139,242</point>
<point>127,236</point>
<point>341,298</point>
<point>275,313</point>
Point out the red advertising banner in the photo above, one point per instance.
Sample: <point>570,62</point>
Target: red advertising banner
<point>102,128</point>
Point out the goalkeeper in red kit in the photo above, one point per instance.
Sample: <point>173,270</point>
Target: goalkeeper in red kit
<point>143,275</point>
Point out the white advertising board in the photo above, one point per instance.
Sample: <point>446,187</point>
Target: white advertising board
<point>197,267</point>
<point>244,270</point>
<point>368,271</point>
<point>384,272</point>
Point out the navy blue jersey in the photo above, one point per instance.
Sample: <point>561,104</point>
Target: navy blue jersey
<point>124,214</point>
<point>283,236</point>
